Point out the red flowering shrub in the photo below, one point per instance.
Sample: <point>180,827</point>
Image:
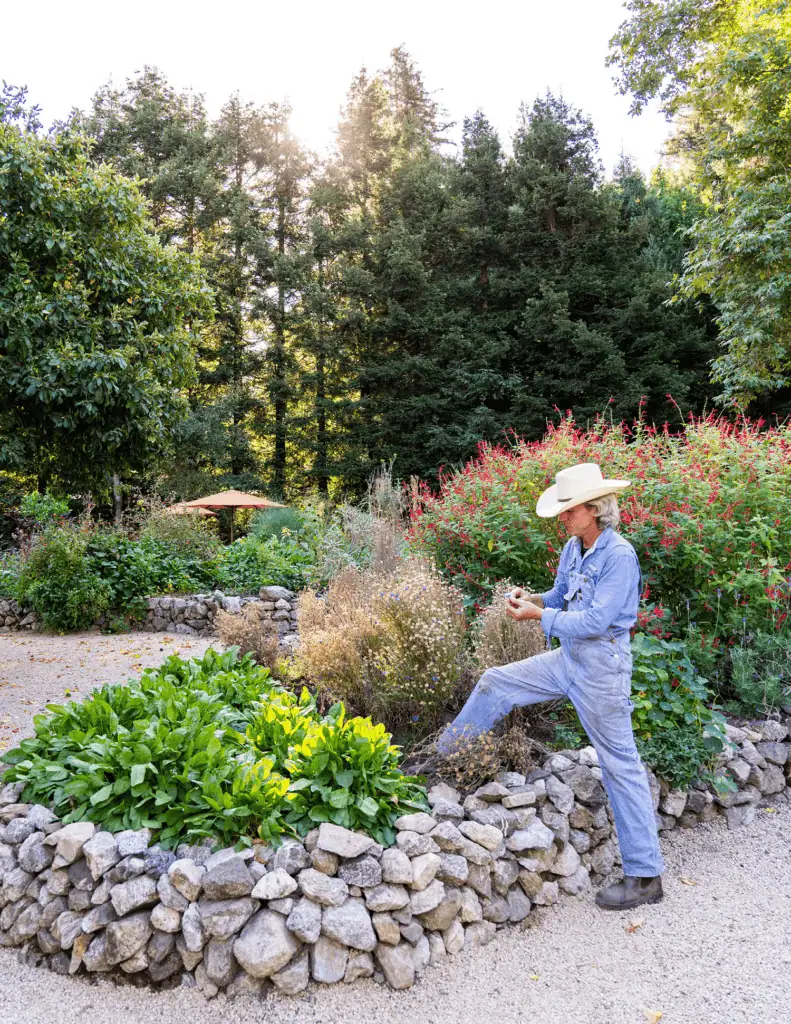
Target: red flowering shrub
<point>708,513</point>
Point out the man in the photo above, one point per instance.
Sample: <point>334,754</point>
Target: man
<point>590,609</point>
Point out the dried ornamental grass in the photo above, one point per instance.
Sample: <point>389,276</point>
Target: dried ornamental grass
<point>390,644</point>
<point>251,633</point>
<point>500,640</point>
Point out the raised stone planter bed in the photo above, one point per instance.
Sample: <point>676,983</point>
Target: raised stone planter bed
<point>337,906</point>
<point>192,615</point>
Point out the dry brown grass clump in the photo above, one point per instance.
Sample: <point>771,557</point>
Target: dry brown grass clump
<point>389,644</point>
<point>251,633</point>
<point>499,640</point>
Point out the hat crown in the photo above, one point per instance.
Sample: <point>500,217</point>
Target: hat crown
<point>577,479</point>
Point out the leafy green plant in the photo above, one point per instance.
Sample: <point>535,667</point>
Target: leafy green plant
<point>43,509</point>
<point>211,747</point>
<point>272,522</point>
<point>58,583</point>
<point>678,734</point>
<point>760,680</point>
<point>346,771</point>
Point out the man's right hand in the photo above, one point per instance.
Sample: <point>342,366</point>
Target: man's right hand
<point>520,593</point>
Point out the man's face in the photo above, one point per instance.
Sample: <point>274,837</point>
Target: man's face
<point>578,520</point>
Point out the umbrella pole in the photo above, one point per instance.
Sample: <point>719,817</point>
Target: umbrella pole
<point>233,512</point>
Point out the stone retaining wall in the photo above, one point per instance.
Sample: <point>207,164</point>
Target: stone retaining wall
<point>14,616</point>
<point>338,906</point>
<point>193,614</point>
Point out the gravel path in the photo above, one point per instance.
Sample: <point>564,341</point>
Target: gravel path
<point>714,952</point>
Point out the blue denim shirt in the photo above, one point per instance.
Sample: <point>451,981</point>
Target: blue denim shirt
<point>602,591</point>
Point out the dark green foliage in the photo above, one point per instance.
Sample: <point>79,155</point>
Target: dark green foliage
<point>96,315</point>
<point>57,581</point>
<point>211,748</point>
<point>677,733</point>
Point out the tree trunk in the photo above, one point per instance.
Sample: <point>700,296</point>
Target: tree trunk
<point>117,499</point>
<point>280,359</point>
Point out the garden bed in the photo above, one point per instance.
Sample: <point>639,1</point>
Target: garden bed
<point>336,905</point>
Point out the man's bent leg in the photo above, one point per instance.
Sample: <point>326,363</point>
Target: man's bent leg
<point>499,690</point>
<point>608,723</point>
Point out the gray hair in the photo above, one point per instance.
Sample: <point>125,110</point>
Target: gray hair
<point>606,511</point>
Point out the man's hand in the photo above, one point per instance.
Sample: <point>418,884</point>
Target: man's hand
<point>521,593</point>
<point>521,609</point>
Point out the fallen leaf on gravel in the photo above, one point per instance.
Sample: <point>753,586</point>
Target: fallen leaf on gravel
<point>652,1016</point>
<point>686,881</point>
<point>634,924</point>
<point>770,810</point>
<point>534,977</point>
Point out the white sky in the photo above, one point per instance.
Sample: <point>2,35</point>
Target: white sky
<point>490,55</point>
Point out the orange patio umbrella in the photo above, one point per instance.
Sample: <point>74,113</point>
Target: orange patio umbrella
<point>233,500</point>
<point>180,509</point>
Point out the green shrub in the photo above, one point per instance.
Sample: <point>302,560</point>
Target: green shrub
<point>677,733</point>
<point>760,678</point>
<point>188,536</point>
<point>249,564</point>
<point>211,747</point>
<point>56,580</point>
<point>271,522</point>
<point>43,509</point>
<point>707,512</point>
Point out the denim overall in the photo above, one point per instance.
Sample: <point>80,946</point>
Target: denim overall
<point>590,609</point>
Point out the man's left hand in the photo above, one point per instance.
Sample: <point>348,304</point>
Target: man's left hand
<point>520,609</point>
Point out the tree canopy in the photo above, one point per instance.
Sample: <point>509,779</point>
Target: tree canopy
<point>723,71</point>
<point>96,314</point>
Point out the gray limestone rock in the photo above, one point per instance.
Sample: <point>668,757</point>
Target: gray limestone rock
<point>305,920</point>
<point>415,845</point>
<point>127,937</point>
<point>420,822</point>
<point>187,877</point>
<point>165,919</point>
<point>265,945</point>
<point>291,857</point>
<point>360,965</point>
<point>295,976</point>
<point>329,960</point>
<point>386,897</point>
<point>519,905</point>
<point>223,918</point>
<point>440,918</point>
<point>397,963</point>
<point>101,853</point>
<point>427,899</point>
<point>275,885</point>
<point>364,871</point>
<point>453,868</point>
<point>33,855</point>
<point>98,918</point>
<point>396,867</point>
<point>561,795</point>
<point>192,931</point>
<point>228,880</point>
<point>350,924</point>
<point>330,892</point>
<point>386,928</point>
<point>218,959</point>
<point>342,841</point>
<point>137,892</point>
<point>169,894</point>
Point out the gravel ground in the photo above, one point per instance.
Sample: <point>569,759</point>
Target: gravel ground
<point>717,950</point>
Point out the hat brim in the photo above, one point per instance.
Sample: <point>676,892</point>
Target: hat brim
<point>549,505</point>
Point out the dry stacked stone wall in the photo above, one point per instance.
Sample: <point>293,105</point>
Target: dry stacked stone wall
<point>192,615</point>
<point>338,906</point>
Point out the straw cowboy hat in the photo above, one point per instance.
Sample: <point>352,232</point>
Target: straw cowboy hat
<point>575,486</point>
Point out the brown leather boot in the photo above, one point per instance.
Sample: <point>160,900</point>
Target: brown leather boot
<point>630,892</point>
